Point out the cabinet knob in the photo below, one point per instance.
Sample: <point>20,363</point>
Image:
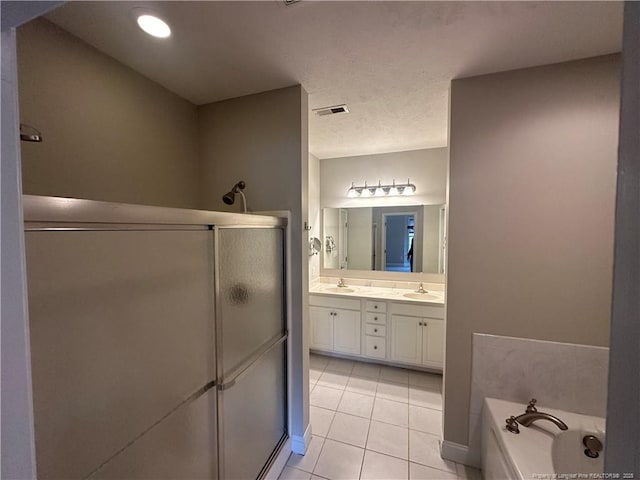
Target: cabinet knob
<point>375,330</point>
<point>375,347</point>
<point>375,306</point>
<point>375,318</point>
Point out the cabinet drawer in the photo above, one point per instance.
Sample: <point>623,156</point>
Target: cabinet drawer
<point>424,311</point>
<point>376,306</point>
<point>375,330</point>
<point>334,302</point>
<point>375,346</point>
<point>377,318</point>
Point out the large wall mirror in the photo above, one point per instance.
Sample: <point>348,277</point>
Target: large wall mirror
<point>410,238</point>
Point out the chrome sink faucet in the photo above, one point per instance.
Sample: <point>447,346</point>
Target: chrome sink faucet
<point>341,283</point>
<point>421,289</point>
<point>531,415</point>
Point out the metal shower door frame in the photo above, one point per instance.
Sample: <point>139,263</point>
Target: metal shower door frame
<point>223,384</point>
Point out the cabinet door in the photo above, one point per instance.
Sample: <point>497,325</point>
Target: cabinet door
<point>346,337</point>
<point>406,339</point>
<point>321,328</point>
<point>433,342</point>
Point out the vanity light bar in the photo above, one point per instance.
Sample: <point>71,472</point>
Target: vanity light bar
<point>393,190</point>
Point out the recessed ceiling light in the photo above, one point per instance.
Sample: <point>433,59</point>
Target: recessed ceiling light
<point>154,26</point>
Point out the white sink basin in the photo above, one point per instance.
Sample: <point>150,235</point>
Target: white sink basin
<point>567,452</point>
<point>339,290</point>
<point>422,296</point>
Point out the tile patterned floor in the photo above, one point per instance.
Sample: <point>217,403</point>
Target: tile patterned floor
<point>373,422</point>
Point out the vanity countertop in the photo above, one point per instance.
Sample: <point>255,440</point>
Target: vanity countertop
<point>432,297</point>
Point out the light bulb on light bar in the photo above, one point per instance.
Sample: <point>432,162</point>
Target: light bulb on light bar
<point>353,192</point>
<point>393,191</point>
<point>381,190</point>
<point>154,26</point>
<point>408,190</point>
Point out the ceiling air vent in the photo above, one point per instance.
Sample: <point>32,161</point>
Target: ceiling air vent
<point>321,112</point>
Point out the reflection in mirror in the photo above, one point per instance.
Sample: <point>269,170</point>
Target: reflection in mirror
<point>393,239</point>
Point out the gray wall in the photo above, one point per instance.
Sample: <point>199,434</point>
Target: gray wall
<point>531,201</point>
<point>314,214</point>
<point>623,414</point>
<point>262,139</point>
<point>427,169</point>
<point>109,133</point>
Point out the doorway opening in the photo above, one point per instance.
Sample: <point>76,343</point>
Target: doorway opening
<point>398,234</point>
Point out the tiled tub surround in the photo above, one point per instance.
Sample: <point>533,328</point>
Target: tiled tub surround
<point>564,376</point>
<point>542,450</point>
<point>373,422</point>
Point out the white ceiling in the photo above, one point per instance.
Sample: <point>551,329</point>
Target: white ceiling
<point>390,62</point>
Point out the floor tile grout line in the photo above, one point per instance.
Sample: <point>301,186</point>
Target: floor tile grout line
<point>435,468</point>
<point>389,455</point>
<point>378,381</point>
<point>315,464</point>
<point>408,443</point>
<point>335,412</point>
<point>295,468</point>
<point>366,440</point>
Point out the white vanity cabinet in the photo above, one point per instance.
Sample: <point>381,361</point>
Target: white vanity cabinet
<point>382,330</point>
<point>321,321</point>
<point>375,329</point>
<point>417,335</point>
<point>335,324</point>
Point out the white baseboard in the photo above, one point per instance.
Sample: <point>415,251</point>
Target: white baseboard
<point>458,453</point>
<point>296,444</point>
<point>299,443</point>
<point>280,462</point>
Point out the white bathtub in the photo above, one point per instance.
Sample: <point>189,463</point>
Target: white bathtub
<point>538,451</point>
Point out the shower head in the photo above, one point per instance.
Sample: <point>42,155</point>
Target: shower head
<point>230,197</point>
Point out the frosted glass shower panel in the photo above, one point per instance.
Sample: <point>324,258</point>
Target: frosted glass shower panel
<point>181,446</point>
<point>250,276</point>
<point>122,333</point>
<point>253,416</point>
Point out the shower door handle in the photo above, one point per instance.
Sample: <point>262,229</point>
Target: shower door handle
<point>247,366</point>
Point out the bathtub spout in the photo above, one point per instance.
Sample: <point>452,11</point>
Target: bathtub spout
<point>526,419</point>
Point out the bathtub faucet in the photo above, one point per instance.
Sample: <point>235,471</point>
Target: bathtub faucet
<point>532,415</point>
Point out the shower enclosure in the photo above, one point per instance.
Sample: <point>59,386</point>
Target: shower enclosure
<point>158,340</point>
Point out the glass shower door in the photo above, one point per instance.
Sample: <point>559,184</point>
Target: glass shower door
<point>251,348</point>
